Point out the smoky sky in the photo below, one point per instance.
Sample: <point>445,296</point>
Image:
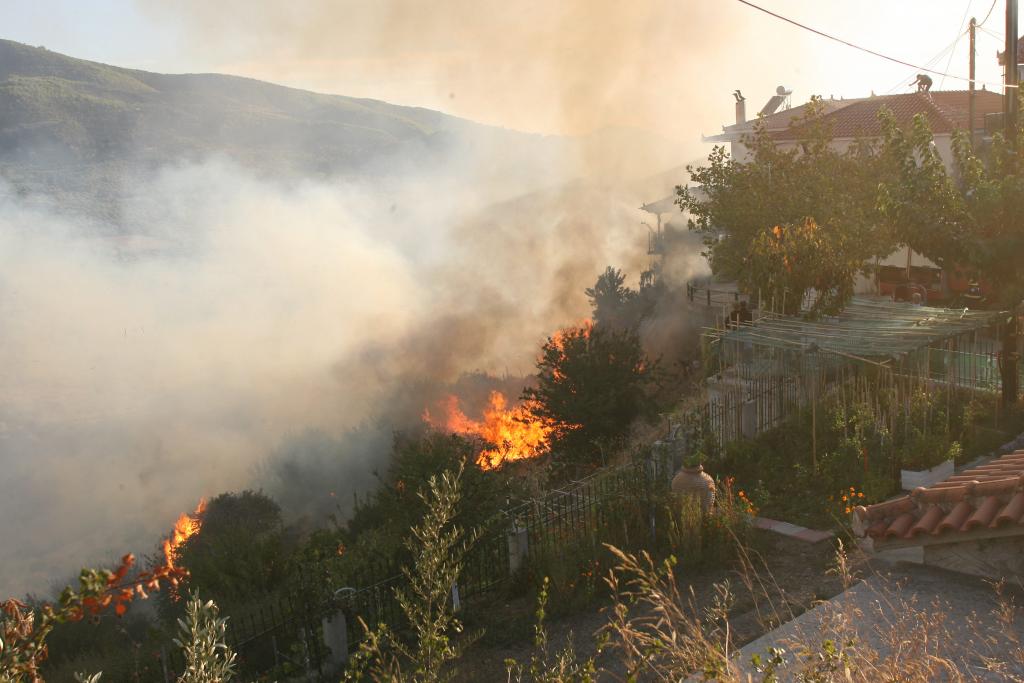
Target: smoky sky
<point>572,66</point>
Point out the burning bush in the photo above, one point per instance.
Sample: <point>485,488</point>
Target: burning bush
<point>599,381</point>
<point>236,549</point>
<point>512,433</point>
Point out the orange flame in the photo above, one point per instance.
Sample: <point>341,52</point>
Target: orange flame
<point>558,338</point>
<point>515,433</point>
<point>186,527</point>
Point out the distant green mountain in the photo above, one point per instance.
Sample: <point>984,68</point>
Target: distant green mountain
<point>71,128</point>
<point>76,135</point>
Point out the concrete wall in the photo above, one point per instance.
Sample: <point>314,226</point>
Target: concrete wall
<point>992,557</point>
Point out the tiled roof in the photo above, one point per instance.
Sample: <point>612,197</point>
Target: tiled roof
<point>781,120</point>
<point>945,111</point>
<point>985,498</point>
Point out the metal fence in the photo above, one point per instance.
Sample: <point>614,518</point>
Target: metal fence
<point>589,510</point>
<point>308,630</point>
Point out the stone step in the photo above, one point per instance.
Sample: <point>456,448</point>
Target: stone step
<point>801,533</point>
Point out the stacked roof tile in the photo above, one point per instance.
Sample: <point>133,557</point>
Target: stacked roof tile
<point>985,498</point>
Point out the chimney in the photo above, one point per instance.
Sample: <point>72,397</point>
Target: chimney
<point>741,107</point>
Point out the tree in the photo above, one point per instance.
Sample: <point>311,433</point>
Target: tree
<point>972,219</point>
<point>596,381</point>
<point>240,552</point>
<point>784,263</point>
<point>373,539</point>
<point>201,637</point>
<point>609,297</point>
<point>438,548</point>
<point>791,189</point>
<point>24,629</point>
<point>617,306</point>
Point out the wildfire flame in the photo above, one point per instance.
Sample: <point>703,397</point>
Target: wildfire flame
<point>186,527</point>
<point>558,338</point>
<point>515,433</point>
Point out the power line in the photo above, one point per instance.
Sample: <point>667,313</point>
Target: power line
<point>869,51</point>
<point>958,37</point>
<point>998,36</point>
<point>934,60</point>
<point>988,14</point>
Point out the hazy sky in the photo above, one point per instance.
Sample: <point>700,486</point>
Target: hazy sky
<point>537,65</point>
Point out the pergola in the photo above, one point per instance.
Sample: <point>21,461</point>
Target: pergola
<point>760,371</point>
<point>873,330</point>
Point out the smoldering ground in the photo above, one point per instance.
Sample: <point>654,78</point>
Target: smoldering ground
<point>258,320</point>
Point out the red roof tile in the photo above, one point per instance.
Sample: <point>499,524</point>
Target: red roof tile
<point>781,120</point>
<point>945,112</point>
<point>989,496</point>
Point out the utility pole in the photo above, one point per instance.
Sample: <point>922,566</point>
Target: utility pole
<point>1010,99</point>
<point>1010,80</point>
<point>970,86</point>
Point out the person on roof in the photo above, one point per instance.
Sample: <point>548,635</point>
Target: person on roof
<point>923,82</point>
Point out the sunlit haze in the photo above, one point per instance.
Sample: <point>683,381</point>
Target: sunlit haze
<point>551,67</point>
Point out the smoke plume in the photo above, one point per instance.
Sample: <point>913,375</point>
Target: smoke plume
<point>250,329</point>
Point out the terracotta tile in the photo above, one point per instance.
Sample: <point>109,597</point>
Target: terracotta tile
<point>984,515</point>
<point>900,525</point>
<point>995,486</point>
<point>890,508</point>
<point>929,520</point>
<point>947,494</point>
<point>989,495</point>
<point>1012,513</point>
<point>956,518</point>
<point>877,529</point>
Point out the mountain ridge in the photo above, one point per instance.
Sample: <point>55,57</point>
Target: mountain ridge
<point>75,134</point>
<point>71,129</point>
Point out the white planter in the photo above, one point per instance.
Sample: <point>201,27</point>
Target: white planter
<point>911,479</point>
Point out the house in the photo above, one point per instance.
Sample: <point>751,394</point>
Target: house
<point>775,120</point>
<point>972,522</point>
<point>903,273</point>
<point>946,111</point>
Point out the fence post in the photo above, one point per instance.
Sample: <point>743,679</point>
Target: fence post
<point>163,663</point>
<point>456,602</point>
<point>518,547</point>
<point>306,659</point>
<point>336,637</point>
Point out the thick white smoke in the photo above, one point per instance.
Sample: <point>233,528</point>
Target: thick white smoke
<point>137,375</point>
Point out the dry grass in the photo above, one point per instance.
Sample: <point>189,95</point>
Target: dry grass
<point>877,632</point>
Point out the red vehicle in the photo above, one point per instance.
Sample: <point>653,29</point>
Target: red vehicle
<point>902,275</point>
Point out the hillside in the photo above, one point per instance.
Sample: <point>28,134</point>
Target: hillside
<point>72,129</point>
